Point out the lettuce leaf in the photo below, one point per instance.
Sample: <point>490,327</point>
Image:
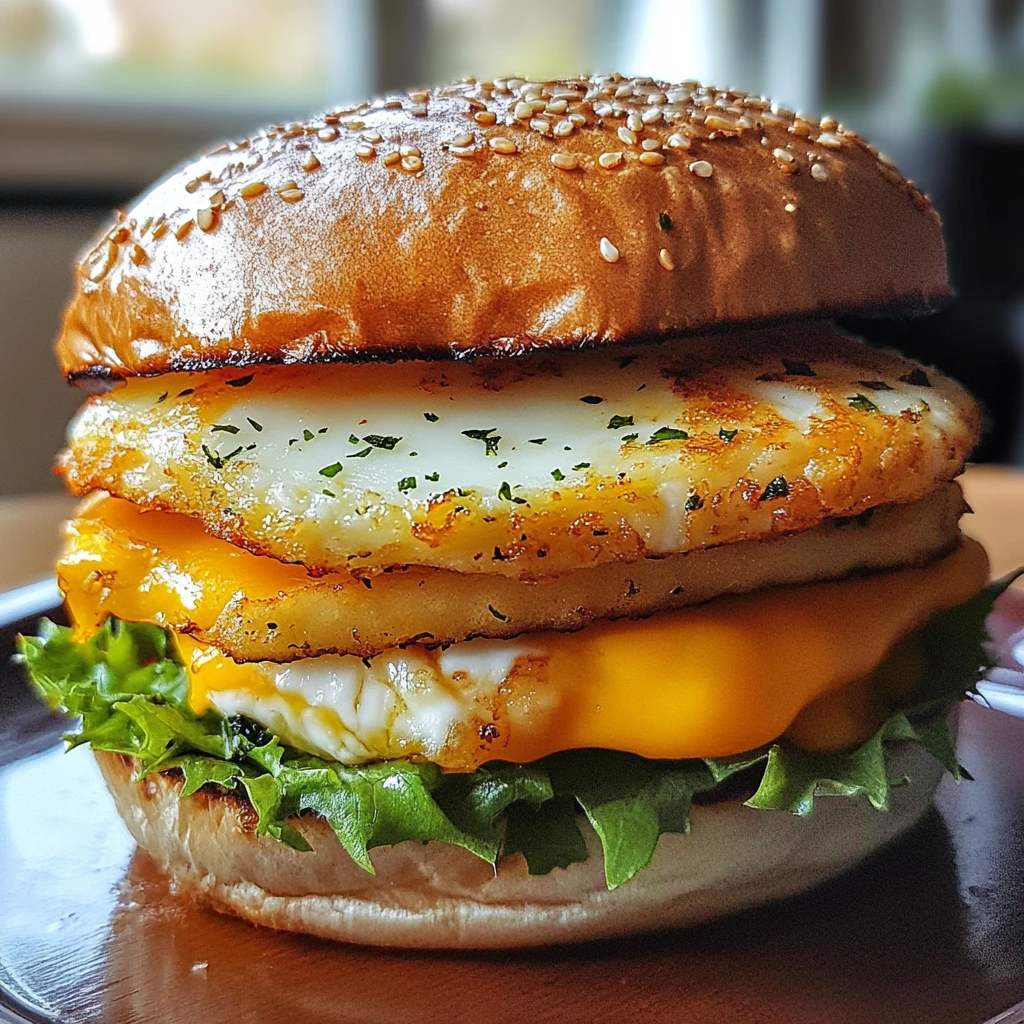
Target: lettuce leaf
<point>131,697</point>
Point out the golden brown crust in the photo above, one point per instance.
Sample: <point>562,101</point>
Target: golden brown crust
<point>378,232</point>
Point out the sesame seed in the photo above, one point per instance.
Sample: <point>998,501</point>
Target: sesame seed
<point>292,195</point>
<point>522,111</point>
<point>541,126</point>
<point>146,224</point>
<point>652,159</point>
<point>565,161</point>
<point>650,144</point>
<point>419,96</point>
<point>676,141</point>
<point>604,110</point>
<point>665,259</point>
<point>327,134</point>
<point>789,208</point>
<point>577,118</point>
<point>138,255</point>
<point>462,150</point>
<point>465,139</point>
<point>310,163</point>
<point>502,145</point>
<point>355,126</point>
<point>563,128</point>
<point>634,122</point>
<point>119,235</point>
<point>556,107</point>
<point>392,158</point>
<point>183,229</point>
<point>412,163</point>
<point>101,261</point>
<point>626,136</point>
<point>623,92</point>
<point>485,117</point>
<point>608,251</point>
<point>160,230</point>
<point>372,137</point>
<point>252,190</point>
<point>365,152</point>
<point>217,199</point>
<point>408,151</point>
<point>827,124</point>
<point>652,116</point>
<point>192,185</point>
<point>829,141</point>
<point>206,218</point>
<point>818,172</point>
<point>719,124</point>
<point>657,98</point>
<point>701,168</point>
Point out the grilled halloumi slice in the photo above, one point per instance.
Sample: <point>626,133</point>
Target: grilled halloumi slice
<point>161,567</point>
<point>536,466</point>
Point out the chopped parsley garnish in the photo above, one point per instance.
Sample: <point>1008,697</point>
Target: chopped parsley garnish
<point>332,470</point>
<point>874,385</point>
<point>862,403</point>
<point>499,555</point>
<point>626,438</point>
<point>618,422</point>
<point>777,488</point>
<point>431,417</point>
<point>581,465</point>
<point>433,477</point>
<point>494,611</point>
<point>292,440</point>
<point>240,382</point>
<point>258,427</point>
<point>227,428</point>
<point>727,435</point>
<point>487,435</point>
<point>537,440</point>
<point>693,502</point>
<point>592,399</point>
<point>797,368</point>
<point>217,460</point>
<point>352,439</point>
<point>330,494</point>
<point>502,465</point>
<point>407,483</point>
<point>307,435</point>
<point>664,222</point>
<point>271,625</point>
<point>667,434</point>
<point>249,447</point>
<point>322,430</point>
<point>382,441</point>
<point>558,474</point>
<point>187,391</point>
<point>917,377</point>
<point>504,491</point>
<point>359,455</point>
<point>162,398</point>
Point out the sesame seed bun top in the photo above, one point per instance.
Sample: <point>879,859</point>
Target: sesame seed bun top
<point>500,217</point>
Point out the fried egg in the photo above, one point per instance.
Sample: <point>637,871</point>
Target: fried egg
<point>530,467</point>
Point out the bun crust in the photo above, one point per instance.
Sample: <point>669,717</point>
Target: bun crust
<point>497,218</point>
<point>442,897</point>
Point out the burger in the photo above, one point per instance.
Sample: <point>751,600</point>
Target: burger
<point>489,539</point>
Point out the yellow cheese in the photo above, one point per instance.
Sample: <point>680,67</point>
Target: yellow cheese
<point>824,661</point>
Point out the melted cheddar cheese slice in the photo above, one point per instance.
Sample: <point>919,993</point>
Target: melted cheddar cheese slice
<point>709,681</point>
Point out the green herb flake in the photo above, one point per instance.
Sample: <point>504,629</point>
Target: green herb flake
<point>502,465</point>
<point>489,438</point>
<point>618,422</point>
<point>727,435</point>
<point>499,555</point>
<point>537,440</point>
<point>187,391</point>
<point>580,465</point>
<point>558,474</point>
<point>431,417</point>
<point>862,403</point>
<point>382,441</point>
<point>359,455</point>
<point>330,494</point>
<point>777,488</point>
<point>494,611</point>
<point>917,377</point>
<point>227,428</point>
<point>322,430</point>
<point>693,502</point>
<point>432,477</point>
<point>258,427</point>
<point>407,483</point>
<point>797,368</point>
<point>664,222</point>
<point>629,438</point>
<point>240,382</point>
<point>352,439</point>
<point>332,470</point>
<point>162,398</point>
<point>592,399</point>
<point>625,361</point>
<point>307,435</point>
<point>217,460</point>
<point>874,385</point>
<point>505,491</point>
<point>667,434</point>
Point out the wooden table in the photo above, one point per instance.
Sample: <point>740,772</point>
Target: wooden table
<point>930,930</point>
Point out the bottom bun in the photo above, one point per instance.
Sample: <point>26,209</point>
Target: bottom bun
<point>443,897</point>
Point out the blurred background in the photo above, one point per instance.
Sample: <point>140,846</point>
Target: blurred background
<point>98,97</point>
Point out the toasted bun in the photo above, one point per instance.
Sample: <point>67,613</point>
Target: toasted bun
<point>461,221</point>
<point>442,897</point>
